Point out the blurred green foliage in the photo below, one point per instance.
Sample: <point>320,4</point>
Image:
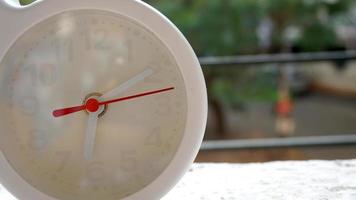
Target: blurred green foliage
<point>215,27</point>
<point>236,86</point>
<point>229,27</point>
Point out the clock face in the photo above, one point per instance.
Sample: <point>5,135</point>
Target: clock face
<point>107,151</point>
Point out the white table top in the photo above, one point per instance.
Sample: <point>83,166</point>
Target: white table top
<point>303,180</point>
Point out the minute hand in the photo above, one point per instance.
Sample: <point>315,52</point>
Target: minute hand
<point>126,85</point>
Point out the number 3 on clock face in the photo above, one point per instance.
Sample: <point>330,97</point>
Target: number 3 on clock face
<point>85,112</point>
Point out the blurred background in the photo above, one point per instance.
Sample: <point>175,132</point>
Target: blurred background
<point>281,76</point>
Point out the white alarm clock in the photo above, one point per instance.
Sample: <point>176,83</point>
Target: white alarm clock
<point>99,100</point>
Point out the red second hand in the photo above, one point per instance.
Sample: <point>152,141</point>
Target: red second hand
<point>93,105</point>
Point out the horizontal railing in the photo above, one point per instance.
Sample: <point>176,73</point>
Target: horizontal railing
<point>278,58</point>
<point>310,141</point>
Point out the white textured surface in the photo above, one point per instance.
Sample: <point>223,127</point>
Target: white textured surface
<point>309,180</point>
<point>314,180</point>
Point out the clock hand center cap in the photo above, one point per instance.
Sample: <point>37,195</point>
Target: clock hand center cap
<point>92,105</point>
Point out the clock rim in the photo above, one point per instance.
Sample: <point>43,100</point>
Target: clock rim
<point>148,17</point>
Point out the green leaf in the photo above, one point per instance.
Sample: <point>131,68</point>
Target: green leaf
<point>26,2</point>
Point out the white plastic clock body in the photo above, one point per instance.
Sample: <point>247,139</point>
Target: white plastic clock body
<point>98,99</point>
